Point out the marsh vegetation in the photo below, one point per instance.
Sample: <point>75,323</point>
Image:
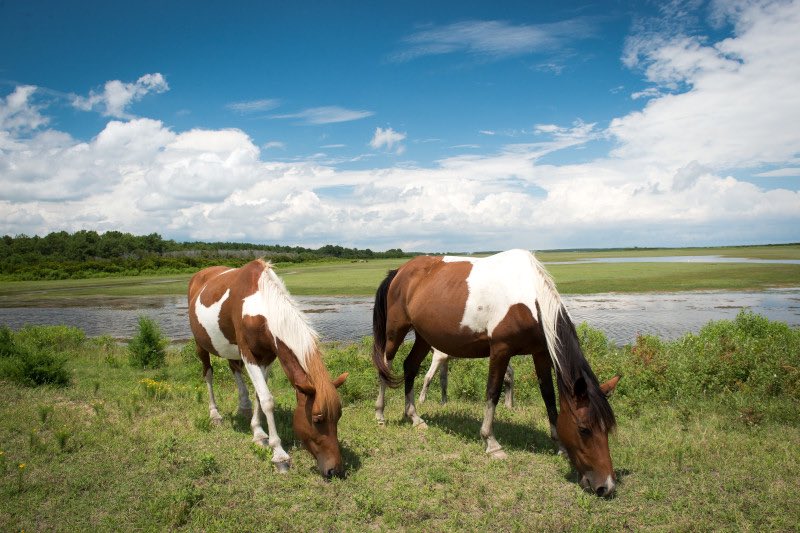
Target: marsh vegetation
<point>707,439</point>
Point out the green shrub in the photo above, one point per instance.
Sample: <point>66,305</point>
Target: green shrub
<point>188,352</point>
<point>362,382</point>
<point>147,349</point>
<point>7,346</point>
<point>58,338</point>
<point>29,364</point>
<point>749,355</point>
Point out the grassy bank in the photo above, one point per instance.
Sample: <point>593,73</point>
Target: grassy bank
<point>361,278</point>
<point>707,439</point>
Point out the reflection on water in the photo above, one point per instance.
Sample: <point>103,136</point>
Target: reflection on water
<point>620,316</point>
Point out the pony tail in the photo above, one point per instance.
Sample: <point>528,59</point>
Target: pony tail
<point>379,314</point>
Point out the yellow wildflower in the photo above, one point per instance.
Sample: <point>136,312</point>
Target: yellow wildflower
<point>22,466</point>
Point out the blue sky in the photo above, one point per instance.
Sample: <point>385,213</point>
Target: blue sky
<point>427,126</point>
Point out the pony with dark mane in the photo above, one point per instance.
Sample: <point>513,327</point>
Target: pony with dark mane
<point>497,307</point>
<point>245,315</point>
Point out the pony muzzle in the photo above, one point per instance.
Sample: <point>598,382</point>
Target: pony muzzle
<point>603,488</point>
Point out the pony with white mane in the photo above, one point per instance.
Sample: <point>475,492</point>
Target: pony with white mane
<point>245,315</point>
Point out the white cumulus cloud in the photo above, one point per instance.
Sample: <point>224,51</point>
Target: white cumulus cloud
<point>116,96</point>
<point>18,113</point>
<point>670,177</point>
<point>389,139</point>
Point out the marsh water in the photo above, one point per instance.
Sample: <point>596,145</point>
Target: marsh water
<point>346,319</point>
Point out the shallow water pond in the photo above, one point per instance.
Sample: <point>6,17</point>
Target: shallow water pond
<point>621,316</point>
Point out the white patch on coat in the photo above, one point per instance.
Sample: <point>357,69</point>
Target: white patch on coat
<point>497,282</point>
<point>285,321</point>
<point>209,319</point>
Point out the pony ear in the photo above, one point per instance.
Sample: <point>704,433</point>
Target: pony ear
<point>338,381</point>
<point>610,386</point>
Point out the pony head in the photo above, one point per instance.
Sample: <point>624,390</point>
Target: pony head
<point>583,426</point>
<point>315,423</point>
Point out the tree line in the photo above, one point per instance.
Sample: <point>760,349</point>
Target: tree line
<point>63,255</point>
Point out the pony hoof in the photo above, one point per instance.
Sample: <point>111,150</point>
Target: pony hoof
<point>498,454</point>
<point>283,467</point>
<point>216,420</point>
<point>381,422</point>
<point>420,425</point>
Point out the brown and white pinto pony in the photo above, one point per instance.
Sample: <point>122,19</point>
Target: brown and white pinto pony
<point>439,361</point>
<point>245,315</point>
<point>498,306</point>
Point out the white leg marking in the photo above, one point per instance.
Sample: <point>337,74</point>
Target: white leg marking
<point>213,412</point>
<point>443,370</point>
<point>508,383</point>
<point>411,412</point>
<point>245,407</point>
<point>259,437</point>
<point>437,360</point>
<point>379,403</point>
<point>258,375</point>
<point>487,433</point>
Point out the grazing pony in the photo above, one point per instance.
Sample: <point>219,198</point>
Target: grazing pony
<point>439,361</point>
<point>498,306</point>
<point>245,315</point>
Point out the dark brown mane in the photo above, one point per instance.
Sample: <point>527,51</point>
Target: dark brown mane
<point>573,367</point>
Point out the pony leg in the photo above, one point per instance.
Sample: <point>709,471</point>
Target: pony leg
<point>439,359</point>
<point>543,364</point>
<point>390,350</point>
<point>208,375</point>
<point>380,402</point>
<point>259,436</point>
<point>508,386</point>
<point>443,379</point>
<point>410,369</point>
<point>245,407</point>
<point>258,375</point>
<point>498,362</point>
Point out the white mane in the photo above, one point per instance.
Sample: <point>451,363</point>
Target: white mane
<point>286,322</point>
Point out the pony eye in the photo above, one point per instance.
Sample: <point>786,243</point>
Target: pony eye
<point>585,432</point>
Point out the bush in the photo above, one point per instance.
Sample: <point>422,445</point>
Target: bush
<point>148,348</point>
<point>58,338</point>
<point>362,383</point>
<point>750,355</point>
<point>21,360</point>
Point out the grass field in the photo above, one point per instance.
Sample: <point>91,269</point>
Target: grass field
<point>127,449</point>
<point>362,278</point>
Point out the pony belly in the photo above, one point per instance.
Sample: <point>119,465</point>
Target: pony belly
<point>229,351</point>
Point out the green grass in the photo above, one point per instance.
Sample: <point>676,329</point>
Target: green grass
<point>361,278</point>
<point>776,251</point>
<point>132,448</point>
